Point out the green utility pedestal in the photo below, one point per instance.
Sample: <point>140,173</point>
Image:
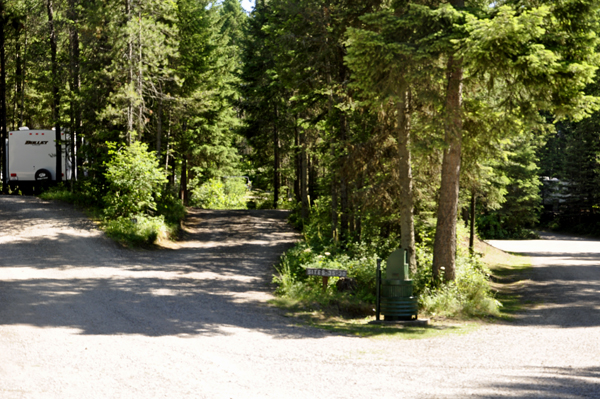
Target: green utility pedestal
<point>397,300</point>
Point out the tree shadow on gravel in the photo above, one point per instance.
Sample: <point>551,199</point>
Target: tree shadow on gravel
<point>560,383</point>
<point>88,283</point>
<point>550,235</point>
<point>563,296</point>
<point>29,211</point>
<point>563,286</point>
<point>146,306</point>
<point>582,256</point>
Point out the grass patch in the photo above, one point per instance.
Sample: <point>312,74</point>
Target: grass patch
<point>59,194</point>
<point>362,329</point>
<point>334,319</point>
<point>510,274</point>
<point>82,199</point>
<point>139,230</point>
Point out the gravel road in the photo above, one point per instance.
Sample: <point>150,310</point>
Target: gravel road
<point>81,317</point>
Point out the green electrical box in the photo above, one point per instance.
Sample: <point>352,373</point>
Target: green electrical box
<point>397,266</point>
<point>397,300</point>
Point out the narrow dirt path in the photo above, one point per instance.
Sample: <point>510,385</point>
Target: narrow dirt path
<point>81,317</point>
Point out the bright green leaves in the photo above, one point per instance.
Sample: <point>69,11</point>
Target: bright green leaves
<point>504,42</point>
<point>134,177</point>
<point>527,52</point>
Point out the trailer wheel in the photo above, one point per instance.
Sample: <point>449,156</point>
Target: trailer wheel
<point>43,175</point>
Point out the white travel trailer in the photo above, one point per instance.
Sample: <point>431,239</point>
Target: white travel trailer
<point>31,156</point>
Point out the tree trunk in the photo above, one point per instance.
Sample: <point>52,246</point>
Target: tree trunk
<point>168,143</point>
<point>171,162</point>
<point>444,247</point>
<point>312,179</point>
<point>159,127</point>
<point>140,78</point>
<point>472,224</point>
<point>276,173</point>
<point>184,176</point>
<point>297,161</point>
<point>75,84</point>
<point>334,211</point>
<point>344,208</point>
<point>22,79</point>
<point>3,133</point>
<point>360,185</point>
<point>304,177</point>
<point>344,217</point>
<point>55,90</point>
<point>183,182</point>
<point>130,54</point>
<point>407,224</point>
<point>18,75</point>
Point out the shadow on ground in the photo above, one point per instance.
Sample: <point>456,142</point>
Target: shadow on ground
<point>71,276</point>
<point>563,286</point>
<point>148,306</point>
<point>564,382</point>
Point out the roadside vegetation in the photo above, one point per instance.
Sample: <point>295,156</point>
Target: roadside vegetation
<point>509,277</point>
<point>219,193</point>
<point>470,295</point>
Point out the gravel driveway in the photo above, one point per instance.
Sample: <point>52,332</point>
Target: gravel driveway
<point>81,317</point>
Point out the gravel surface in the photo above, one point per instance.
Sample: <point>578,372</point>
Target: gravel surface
<point>81,317</point>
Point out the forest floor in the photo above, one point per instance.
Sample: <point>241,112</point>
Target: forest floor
<point>82,317</point>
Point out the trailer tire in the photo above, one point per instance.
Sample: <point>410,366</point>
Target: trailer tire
<point>43,175</point>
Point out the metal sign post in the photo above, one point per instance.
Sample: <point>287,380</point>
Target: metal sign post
<point>378,283</point>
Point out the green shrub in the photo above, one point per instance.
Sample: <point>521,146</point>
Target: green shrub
<point>171,207</point>
<point>134,178</point>
<point>294,284</point>
<point>135,188</point>
<point>468,295</point>
<point>216,194</point>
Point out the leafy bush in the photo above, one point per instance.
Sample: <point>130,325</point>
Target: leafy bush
<point>468,295</point>
<point>216,194</point>
<point>135,188</point>
<point>171,207</point>
<point>134,178</point>
<point>293,265</point>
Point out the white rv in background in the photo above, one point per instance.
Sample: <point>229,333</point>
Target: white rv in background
<point>31,156</point>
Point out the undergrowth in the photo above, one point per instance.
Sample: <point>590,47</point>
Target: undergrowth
<point>139,230</point>
<point>232,193</point>
<point>468,296</point>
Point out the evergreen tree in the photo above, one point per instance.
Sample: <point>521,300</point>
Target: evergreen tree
<point>520,206</point>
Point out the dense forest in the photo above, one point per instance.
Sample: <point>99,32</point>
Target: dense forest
<point>378,123</point>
